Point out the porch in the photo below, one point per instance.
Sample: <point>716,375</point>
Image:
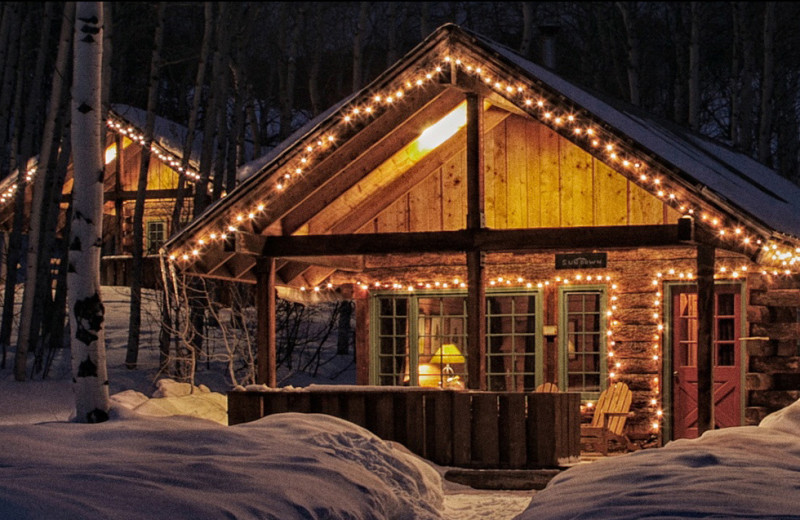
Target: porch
<point>463,429</point>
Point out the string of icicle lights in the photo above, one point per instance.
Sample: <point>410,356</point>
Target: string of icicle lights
<point>617,364</point>
<point>119,127</point>
<point>535,102</point>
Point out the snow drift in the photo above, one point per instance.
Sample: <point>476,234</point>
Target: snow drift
<point>741,472</point>
<point>287,466</point>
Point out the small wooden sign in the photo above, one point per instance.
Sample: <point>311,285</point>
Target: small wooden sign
<point>581,260</point>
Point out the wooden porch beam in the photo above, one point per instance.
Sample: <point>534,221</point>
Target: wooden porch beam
<point>299,265</point>
<point>123,195</point>
<point>489,240</point>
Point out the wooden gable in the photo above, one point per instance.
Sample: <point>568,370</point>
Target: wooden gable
<point>533,178</point>
<point>546,164</point>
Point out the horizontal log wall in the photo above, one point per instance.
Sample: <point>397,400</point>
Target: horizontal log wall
<point>773,345</point>
<point>638,314</point>
<point>463,429</point>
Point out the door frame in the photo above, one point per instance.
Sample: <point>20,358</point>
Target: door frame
<point>667,351</point>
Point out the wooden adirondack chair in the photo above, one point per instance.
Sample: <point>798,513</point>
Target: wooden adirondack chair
<point>547,388</point>
<point>608,422</point>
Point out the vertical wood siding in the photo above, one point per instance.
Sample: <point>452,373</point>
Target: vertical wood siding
<point>534,178</point>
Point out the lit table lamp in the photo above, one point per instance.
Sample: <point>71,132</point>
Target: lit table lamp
<point>444,355</point>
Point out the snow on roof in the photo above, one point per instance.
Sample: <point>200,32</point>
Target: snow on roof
<point>168,134</point>
<point>737,178</point>
<point>723,176</point>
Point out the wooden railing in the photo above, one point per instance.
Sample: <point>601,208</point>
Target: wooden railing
<point>471,429</point>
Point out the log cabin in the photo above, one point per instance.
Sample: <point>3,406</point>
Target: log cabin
<point>124,142</point>
<point>500,227</point>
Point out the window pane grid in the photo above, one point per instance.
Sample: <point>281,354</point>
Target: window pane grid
<point>584,341</point>
<point>442,340</point>
<point>511,342</point>
<point>392,341</point>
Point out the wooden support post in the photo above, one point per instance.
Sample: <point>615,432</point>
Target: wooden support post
<point>119,163</point>
<point>476,292</point>
<point>705,338</point>
<point>362,335</point>
<point>265,322</point>
<point>476,321</point>
<point>475,189</point>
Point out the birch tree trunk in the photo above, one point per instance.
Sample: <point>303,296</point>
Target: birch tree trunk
<point>287,72</point>
<point>201,196</point>
<point>742,114</point>
<point>28,326</point>
<point>222,60</point>
<point>677,21</point>
<point>15,240</point>
<point>87,314</point>
<point>694,68</point>
<point>135,318</point>
<point>358,45</point>
<point>52,311</point>
<point>629,19</point>
<point>197,96</point>
<point>253,121</point>
<point>5,28</point>
<point>767,85</point>
<point>54,328</point>
<point>9,71</point>
<point>391,36</point>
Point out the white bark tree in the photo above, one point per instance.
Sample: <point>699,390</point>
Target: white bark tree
<point>29,325</point>
<point>86,311</point>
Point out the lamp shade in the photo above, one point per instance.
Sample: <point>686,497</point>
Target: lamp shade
<point>447,354</point>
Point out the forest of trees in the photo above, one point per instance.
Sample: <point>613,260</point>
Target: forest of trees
<point>244,75</point>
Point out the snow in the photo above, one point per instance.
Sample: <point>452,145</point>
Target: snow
<point>168,134</point>
<point>166,453</point>
<point>741,472</point>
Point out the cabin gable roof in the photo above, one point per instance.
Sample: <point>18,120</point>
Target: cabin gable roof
<point>731,195</point>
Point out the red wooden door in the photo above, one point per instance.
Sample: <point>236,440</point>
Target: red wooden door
<point>727,359</point>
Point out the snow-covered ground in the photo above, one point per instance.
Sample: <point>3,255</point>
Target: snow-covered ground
<point>146,462</point>
<point>164,453</point>
<point>742,472</point>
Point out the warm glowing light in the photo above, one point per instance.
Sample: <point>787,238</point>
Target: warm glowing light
<point>443,129</point>
<point>111,153</point>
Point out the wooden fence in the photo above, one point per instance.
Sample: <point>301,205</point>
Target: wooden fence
<point>472,429</point>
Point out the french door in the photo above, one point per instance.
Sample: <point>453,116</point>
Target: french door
<point>727,359</point>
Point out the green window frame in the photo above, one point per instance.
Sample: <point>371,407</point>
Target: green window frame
<point>390,342</point>
<point>406,339</point>
<point>583,344</point>
<point>514,346</point>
